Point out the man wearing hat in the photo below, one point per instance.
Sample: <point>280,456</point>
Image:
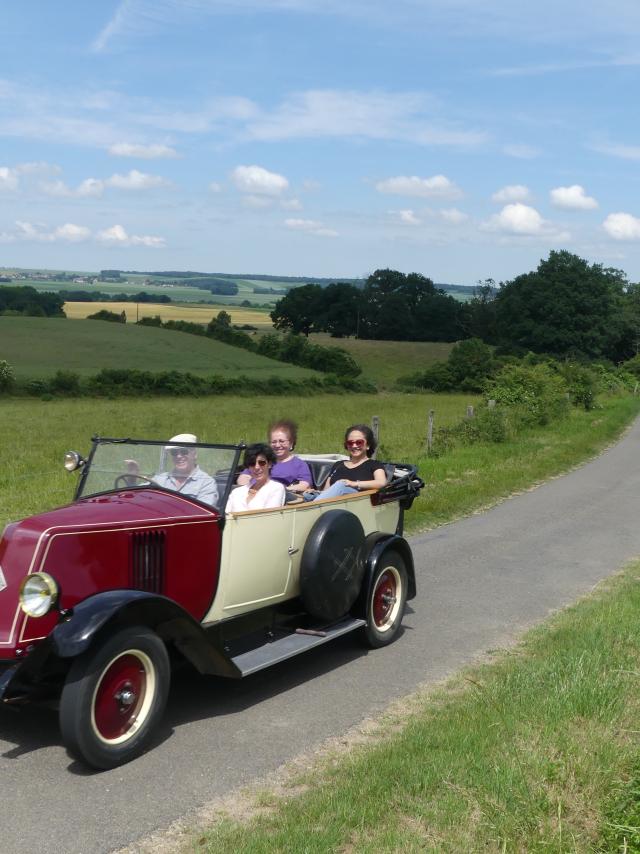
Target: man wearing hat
<point>186,477</point>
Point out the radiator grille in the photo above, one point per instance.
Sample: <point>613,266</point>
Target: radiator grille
<point>147,561</point>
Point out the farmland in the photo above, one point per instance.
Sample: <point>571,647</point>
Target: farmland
<point>38,347</point>
<point>170,311</point>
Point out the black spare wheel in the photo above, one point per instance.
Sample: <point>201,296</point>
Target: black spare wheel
<point>332,565</point>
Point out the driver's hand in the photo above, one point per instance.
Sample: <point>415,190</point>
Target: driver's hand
<point>133,467</point>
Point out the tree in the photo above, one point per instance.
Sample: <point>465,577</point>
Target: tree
<point>566,306</point>
<point>299,311</point>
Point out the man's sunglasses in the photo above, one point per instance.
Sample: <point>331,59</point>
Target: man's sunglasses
<point>179,452</point>
<point>355,443</point>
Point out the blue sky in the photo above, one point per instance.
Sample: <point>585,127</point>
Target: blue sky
<point>456,138</point>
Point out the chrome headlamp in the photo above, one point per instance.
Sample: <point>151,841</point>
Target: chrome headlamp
<point>73,460</point>
<point>38,594</point>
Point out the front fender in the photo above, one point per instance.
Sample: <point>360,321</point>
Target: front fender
<point>172,623</point>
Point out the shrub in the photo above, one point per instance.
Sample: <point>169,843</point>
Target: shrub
<point>65,382</point>
<point>538,393</point>
<point>582,383</point>
<point>437,377</point>
<point>111,316</point>
<point>7,378</point>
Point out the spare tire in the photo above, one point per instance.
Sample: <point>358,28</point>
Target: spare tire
<point>332,565</point>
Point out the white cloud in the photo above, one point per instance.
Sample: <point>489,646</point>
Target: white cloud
<point>454,216</point>
<point>511,193</point>
<point>437,186</point>
<point>521,151</point>
<point>153,151</point>
<point>72,233</point>
<point>214,187</point>
<point>69,233</point>
<point>622,226</point>
<point>310,226</point>
<point>517,219</point>
<point>135,180</point>
<point>117,236</point>
<point>37,166</point>
<point>257,180</point>
<point>572,198</point>
<point>8,178</point>
<point>408,217</point>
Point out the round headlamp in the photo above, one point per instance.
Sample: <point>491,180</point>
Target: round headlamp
<point>73,461</point>
<point>38,594</point>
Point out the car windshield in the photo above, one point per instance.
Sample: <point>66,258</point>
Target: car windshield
<point>196,471</point>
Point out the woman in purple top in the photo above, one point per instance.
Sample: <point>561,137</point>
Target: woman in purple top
<point>289,470</point>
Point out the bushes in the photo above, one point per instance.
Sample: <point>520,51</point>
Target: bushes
<point>134,383</point>
<point>111,316</point>
<point>7,378</point>
<point>537,393</point>
<point>469,365</point>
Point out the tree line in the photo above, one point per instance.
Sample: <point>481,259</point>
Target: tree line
<point>566,306</point>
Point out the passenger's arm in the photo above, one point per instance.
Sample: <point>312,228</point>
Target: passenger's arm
<point>379,479</point>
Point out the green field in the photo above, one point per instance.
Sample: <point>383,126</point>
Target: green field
<point>36,433</point>
<point>183,292</point>
<point>383,362</point>
<point>37,347</point>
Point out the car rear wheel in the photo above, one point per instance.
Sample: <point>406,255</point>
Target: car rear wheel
<point>386,601</point>
<point>114,697</point>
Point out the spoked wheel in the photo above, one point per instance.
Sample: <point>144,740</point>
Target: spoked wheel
<point>114,697</point>
<point>387,599</point>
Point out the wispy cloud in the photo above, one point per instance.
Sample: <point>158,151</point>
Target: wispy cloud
<point>152,151</point>
<point>614,149</point>
<point>310,226</point>
<point>511,193</point>
<point>257,180</point>
<point>73,233</point>
<point>438,186</point>
<point>538,69</point>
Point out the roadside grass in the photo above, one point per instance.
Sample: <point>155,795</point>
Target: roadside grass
<point>536,751</point>
<point>384,361</point>
<point>471,477</point>
<point>37,347</point>
<point>171,311</point>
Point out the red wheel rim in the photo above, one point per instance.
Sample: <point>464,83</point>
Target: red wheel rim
<point>384,598</point>
<point>120,696</point>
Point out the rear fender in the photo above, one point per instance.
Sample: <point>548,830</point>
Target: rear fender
<point>375,547</point>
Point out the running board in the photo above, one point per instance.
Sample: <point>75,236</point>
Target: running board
<point>291,645</point>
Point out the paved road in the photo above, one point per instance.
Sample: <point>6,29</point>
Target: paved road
<point>481,581</point>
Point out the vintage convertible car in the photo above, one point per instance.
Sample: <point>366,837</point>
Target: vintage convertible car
<point>98,599</point>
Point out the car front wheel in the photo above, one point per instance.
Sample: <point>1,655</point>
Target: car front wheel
<point>114,697</point>
<point>386,601</point>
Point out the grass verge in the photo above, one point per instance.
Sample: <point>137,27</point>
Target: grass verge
<point>536,752</point>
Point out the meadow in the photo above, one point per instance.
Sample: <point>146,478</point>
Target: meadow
<point>37,433</point>
<point>383,362</point>
<point>37,347</point>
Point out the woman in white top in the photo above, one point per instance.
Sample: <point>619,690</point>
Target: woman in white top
<point>261,491</point>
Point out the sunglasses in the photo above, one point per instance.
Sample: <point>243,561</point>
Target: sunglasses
<point>355,443</point>
<point>261,463</point>
<point>179,452</point>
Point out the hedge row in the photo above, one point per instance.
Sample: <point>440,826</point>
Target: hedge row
<point>135,383</point>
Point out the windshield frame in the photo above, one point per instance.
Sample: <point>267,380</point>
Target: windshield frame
<point>97,441</point>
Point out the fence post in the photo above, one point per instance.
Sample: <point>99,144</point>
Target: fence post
<point>470,411</point>
<point>375,426</point>
<point>491,404</point>
<point>635,390</point>
<point>430,431</point>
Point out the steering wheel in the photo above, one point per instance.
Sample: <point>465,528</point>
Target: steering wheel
<point>124,480</point>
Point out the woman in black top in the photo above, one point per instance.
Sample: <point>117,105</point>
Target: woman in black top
<point>359,471</point>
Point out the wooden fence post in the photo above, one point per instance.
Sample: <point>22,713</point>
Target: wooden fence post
<point>375,426</point>
<point>430,430</point>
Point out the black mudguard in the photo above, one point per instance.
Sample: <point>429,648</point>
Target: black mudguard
<point>376,545</point>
